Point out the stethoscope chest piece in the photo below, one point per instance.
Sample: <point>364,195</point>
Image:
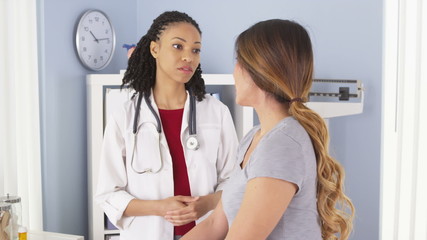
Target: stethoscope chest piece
<point>192,143</point>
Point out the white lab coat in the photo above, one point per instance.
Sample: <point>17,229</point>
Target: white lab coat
<point>208,167</point>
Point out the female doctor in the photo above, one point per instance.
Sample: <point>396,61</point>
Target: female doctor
<point>171,147</point>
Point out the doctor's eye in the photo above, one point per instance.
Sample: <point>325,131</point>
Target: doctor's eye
<point>197,50</point>
<point>177,46</point>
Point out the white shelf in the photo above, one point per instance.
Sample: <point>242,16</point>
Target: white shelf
<point>218,79</point>
<point>111,232</point>
<point>335,109</point>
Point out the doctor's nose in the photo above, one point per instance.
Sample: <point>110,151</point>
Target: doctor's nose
<point>187,58</point>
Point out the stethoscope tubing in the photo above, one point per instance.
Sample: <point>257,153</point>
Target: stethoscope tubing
<point>191,122</point>
<point>192,142</point>
<point>147,170</point>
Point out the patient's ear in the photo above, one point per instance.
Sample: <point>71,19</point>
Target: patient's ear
<point>154,48</point>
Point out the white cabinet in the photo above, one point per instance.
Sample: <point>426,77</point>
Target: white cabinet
<point>103,89</point>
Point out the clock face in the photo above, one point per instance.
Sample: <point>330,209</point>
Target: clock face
<point>95,40</point>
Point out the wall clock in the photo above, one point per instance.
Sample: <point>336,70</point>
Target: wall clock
<point>95,40</point>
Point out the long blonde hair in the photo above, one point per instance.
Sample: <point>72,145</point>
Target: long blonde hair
<point>279,58</point>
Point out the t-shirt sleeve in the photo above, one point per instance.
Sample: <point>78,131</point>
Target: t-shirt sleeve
<point>279,157</point>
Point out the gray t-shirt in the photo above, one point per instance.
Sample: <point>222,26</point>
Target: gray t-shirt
<point>286,153</point>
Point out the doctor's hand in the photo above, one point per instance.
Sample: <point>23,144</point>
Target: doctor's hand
<point>191,212</point>
<point>175,203</point>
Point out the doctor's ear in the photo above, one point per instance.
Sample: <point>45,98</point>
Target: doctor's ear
<point>154,48</point>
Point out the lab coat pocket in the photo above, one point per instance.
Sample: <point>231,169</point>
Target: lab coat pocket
<point>209,137</point>
<point>202,169</point>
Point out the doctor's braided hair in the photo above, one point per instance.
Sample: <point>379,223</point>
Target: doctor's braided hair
<point>141,71</point>
<point>278,56</point>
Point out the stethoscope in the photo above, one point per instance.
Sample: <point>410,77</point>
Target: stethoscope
<point>191,143</point>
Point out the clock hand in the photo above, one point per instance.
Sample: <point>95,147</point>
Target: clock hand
<point>96,40</point>
<point>103,39</point>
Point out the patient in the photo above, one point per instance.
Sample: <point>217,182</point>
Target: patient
<point>287,185</point>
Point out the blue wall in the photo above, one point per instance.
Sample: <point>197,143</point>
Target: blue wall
<point>63,106</point>
<point>347,40</point>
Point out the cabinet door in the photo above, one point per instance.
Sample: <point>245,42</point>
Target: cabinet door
<point>114,99</point>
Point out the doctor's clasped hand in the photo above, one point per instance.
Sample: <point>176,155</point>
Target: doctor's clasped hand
<point>192,211</point>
